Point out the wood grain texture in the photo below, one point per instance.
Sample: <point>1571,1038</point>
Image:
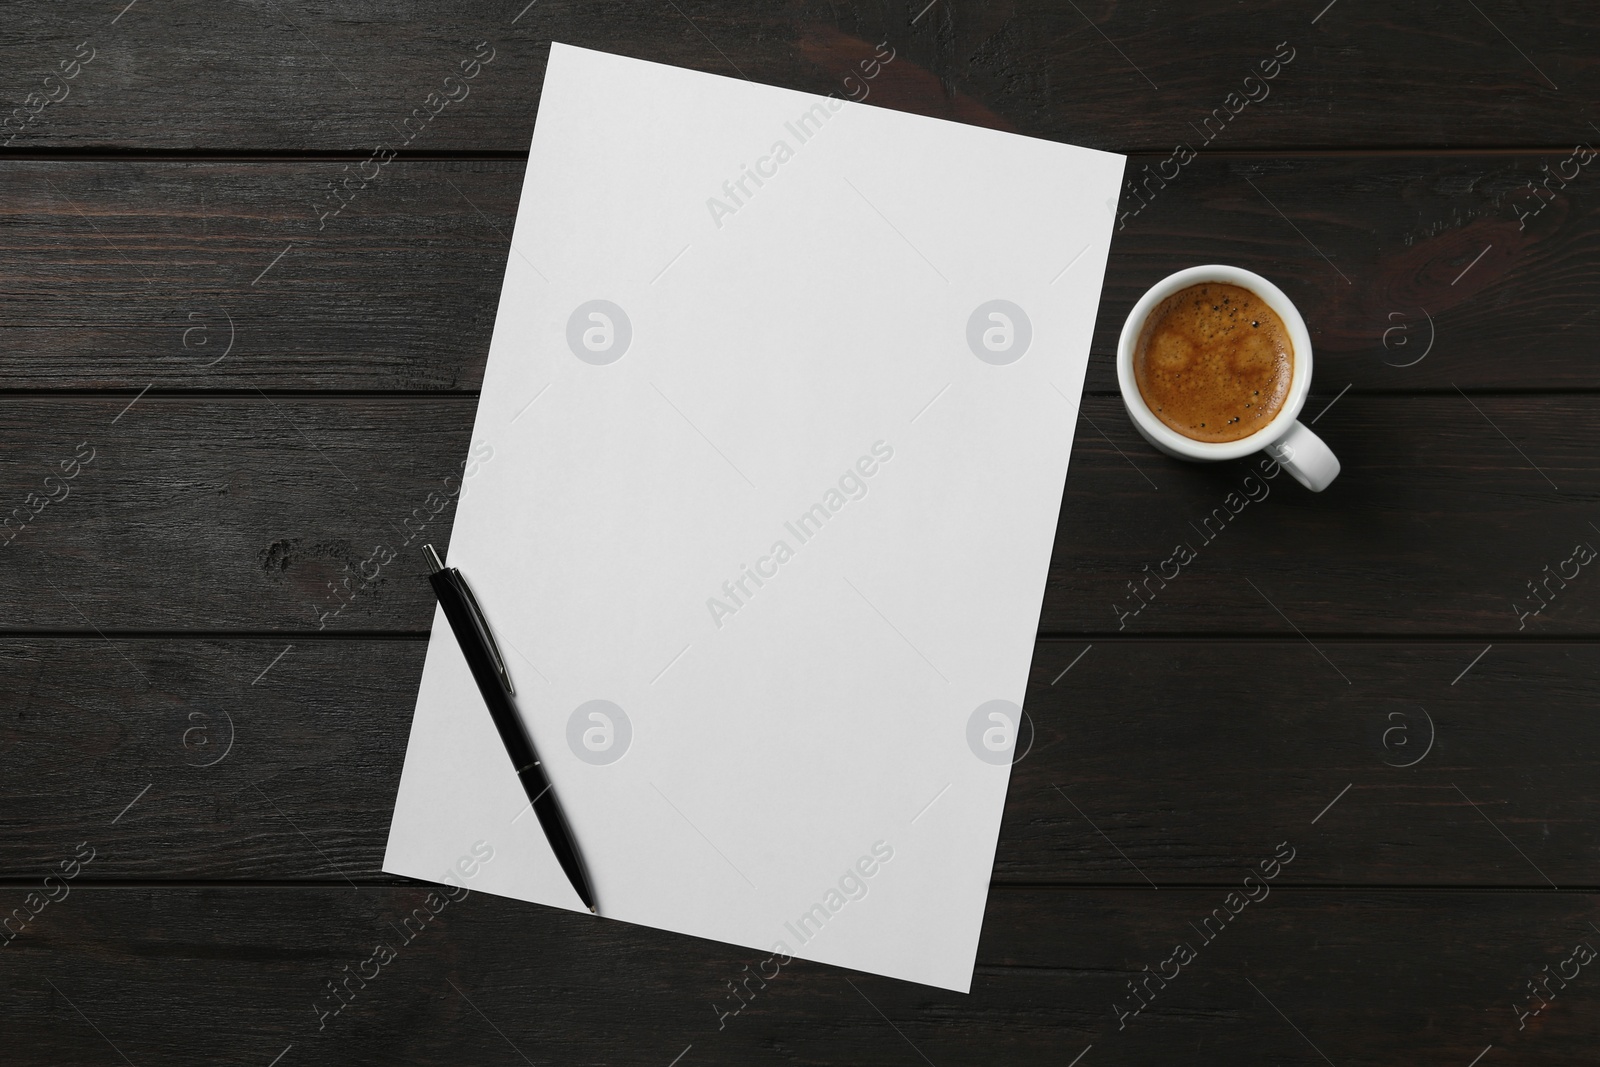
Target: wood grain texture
<point>1148,761</point>
<point>1437,525</point>
<point>1432,977</point>
<point>273,403</point>
<point>218,275</point>
<point>297,75</point>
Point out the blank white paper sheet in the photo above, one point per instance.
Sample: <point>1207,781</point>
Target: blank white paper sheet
<point>765,480</point>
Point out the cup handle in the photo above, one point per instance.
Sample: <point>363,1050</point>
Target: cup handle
<point>1304,455</point>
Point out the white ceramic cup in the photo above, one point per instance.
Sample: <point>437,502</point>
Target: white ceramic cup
<point>1299,451</point>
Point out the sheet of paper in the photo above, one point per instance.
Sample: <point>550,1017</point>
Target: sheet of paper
<point>763,489</point>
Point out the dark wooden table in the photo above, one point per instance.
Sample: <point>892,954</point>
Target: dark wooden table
<point>214,408</point>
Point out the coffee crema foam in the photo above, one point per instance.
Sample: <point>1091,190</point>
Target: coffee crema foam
<point>1214,362</point>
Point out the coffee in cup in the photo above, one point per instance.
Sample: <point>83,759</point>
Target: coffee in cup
<point>1214,362</point>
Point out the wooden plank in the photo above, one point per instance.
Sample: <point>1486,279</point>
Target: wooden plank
<point>218,275</point>
<point>236,484</point>
<point>1358,978</point>
<point>297,76</point>
<point>1437,525</point>
<point>1160,762</point>
<point>1446,510</point>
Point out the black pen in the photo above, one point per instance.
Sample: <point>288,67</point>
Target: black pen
<point>494,682</point>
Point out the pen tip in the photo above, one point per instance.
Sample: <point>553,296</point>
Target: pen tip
<point>593,910</point>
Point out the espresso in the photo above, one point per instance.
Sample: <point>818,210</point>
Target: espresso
<point>1214,362</point>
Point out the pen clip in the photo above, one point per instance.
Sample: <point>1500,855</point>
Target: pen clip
<point>482,625</point>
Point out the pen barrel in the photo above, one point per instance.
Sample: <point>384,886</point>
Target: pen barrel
<point>554,821</point>
<point>512,733</point>
<point>518,745</point>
